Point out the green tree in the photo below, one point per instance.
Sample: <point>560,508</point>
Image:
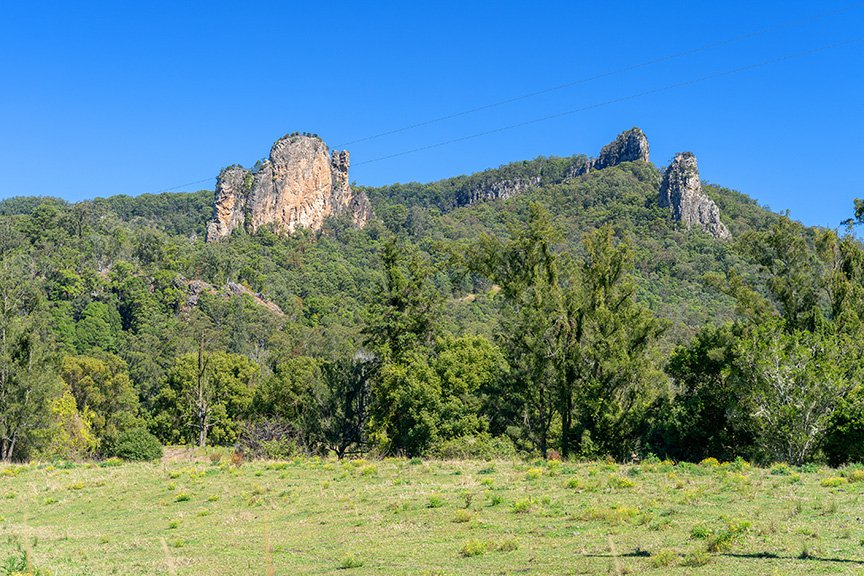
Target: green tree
<point>469,368</point>
<point>708,414</point>
<point>99,328</point>
<point>67,433</point>
<point>605,339</point>
<point>796,381</point>
<point>526,269</point>
<point>406,411</point>
<point>103,391</point>
<point>402,316</point>
<point>28,384</point>
<point>205,398</point>
<point>344,403</point>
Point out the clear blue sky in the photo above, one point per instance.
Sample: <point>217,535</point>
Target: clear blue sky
<point>131,97</point>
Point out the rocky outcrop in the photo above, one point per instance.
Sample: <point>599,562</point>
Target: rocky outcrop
<point>498,189</point>
<point>681,192</point>
<point>299,186</point>
<point>630,146</point>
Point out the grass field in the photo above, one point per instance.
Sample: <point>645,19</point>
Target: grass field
<point>311,516</point>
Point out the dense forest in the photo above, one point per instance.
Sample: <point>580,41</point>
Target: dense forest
<point>575,319</point>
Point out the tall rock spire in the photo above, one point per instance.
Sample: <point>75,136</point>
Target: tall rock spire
<point>681,192</point>
<point>299,186</point>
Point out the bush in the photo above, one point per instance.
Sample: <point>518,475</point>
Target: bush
<point>137,444</point>
<point>480,447</point>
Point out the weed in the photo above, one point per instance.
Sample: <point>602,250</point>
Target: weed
<point>722,540</point>
<point>435,502</point>
<point>664,558</point>
<point>696,559</point>
<point>462,516</point>
<point>349,561</point>
<point>617,481</point>
<point>833,482</point>
<point>534,473</point>
<point>522,506</point>
<point>474,547</point>
<point>507,545</point>
<point>855,475</point>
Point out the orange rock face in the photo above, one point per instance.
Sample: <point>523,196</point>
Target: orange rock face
<point>299,186</point>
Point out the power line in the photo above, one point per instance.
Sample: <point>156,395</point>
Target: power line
<point>645,64</point>
<point>184,185</point>
<point>617,100</point>
<point>725,42</point>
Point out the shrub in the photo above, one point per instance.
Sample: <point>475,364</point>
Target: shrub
<point>616,481</point>
<point>137,444</point>
<point>723,540</point>
<point>696,559</point>
<point>522,506</point>
<point>474,548</point>
<point>480,447</point>
<point>833,482</point>
<point>856,475</point>
<point>663,558</point>
<point>462,516</point>
<point>350,561</point>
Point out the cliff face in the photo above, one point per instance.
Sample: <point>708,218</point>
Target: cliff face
<point>299,186</point>
<point>681,192</point>
<point>499,189</point>
<point>630,146</point>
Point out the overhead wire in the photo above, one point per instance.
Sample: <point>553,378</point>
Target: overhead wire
<point>630,68</point>
<point>725,42</point>
<point>637,95</point>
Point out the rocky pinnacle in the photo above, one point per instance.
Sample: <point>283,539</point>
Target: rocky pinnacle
<point>681,192</point>
<point>298,186</point>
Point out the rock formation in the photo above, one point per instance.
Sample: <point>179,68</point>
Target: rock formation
<point>681,192</point>
<point>299,186</point>
<point>630,146</point>
<point>497,189</point>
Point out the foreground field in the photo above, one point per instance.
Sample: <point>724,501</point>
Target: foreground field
<point>311,516</point>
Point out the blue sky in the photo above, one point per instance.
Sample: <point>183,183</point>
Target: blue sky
<point>109,98</point>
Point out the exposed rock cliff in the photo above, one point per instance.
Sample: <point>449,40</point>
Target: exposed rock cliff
<point>630,146</point>
<point>299,186</point>
<point>681,192</point>
<point>498,189</point>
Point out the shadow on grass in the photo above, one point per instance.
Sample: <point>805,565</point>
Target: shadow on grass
<point>639,553</point>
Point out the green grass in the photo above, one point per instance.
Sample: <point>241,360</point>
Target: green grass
<point>318,516</point>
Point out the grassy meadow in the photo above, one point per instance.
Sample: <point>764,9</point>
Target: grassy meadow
<point>207,515</point>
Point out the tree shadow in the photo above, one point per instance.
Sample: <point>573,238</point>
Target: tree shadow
<point>639,553</point>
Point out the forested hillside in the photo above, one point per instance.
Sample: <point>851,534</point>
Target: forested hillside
<point>574,315</point>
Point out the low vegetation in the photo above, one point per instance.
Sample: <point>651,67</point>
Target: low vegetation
<point>190,514</point>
